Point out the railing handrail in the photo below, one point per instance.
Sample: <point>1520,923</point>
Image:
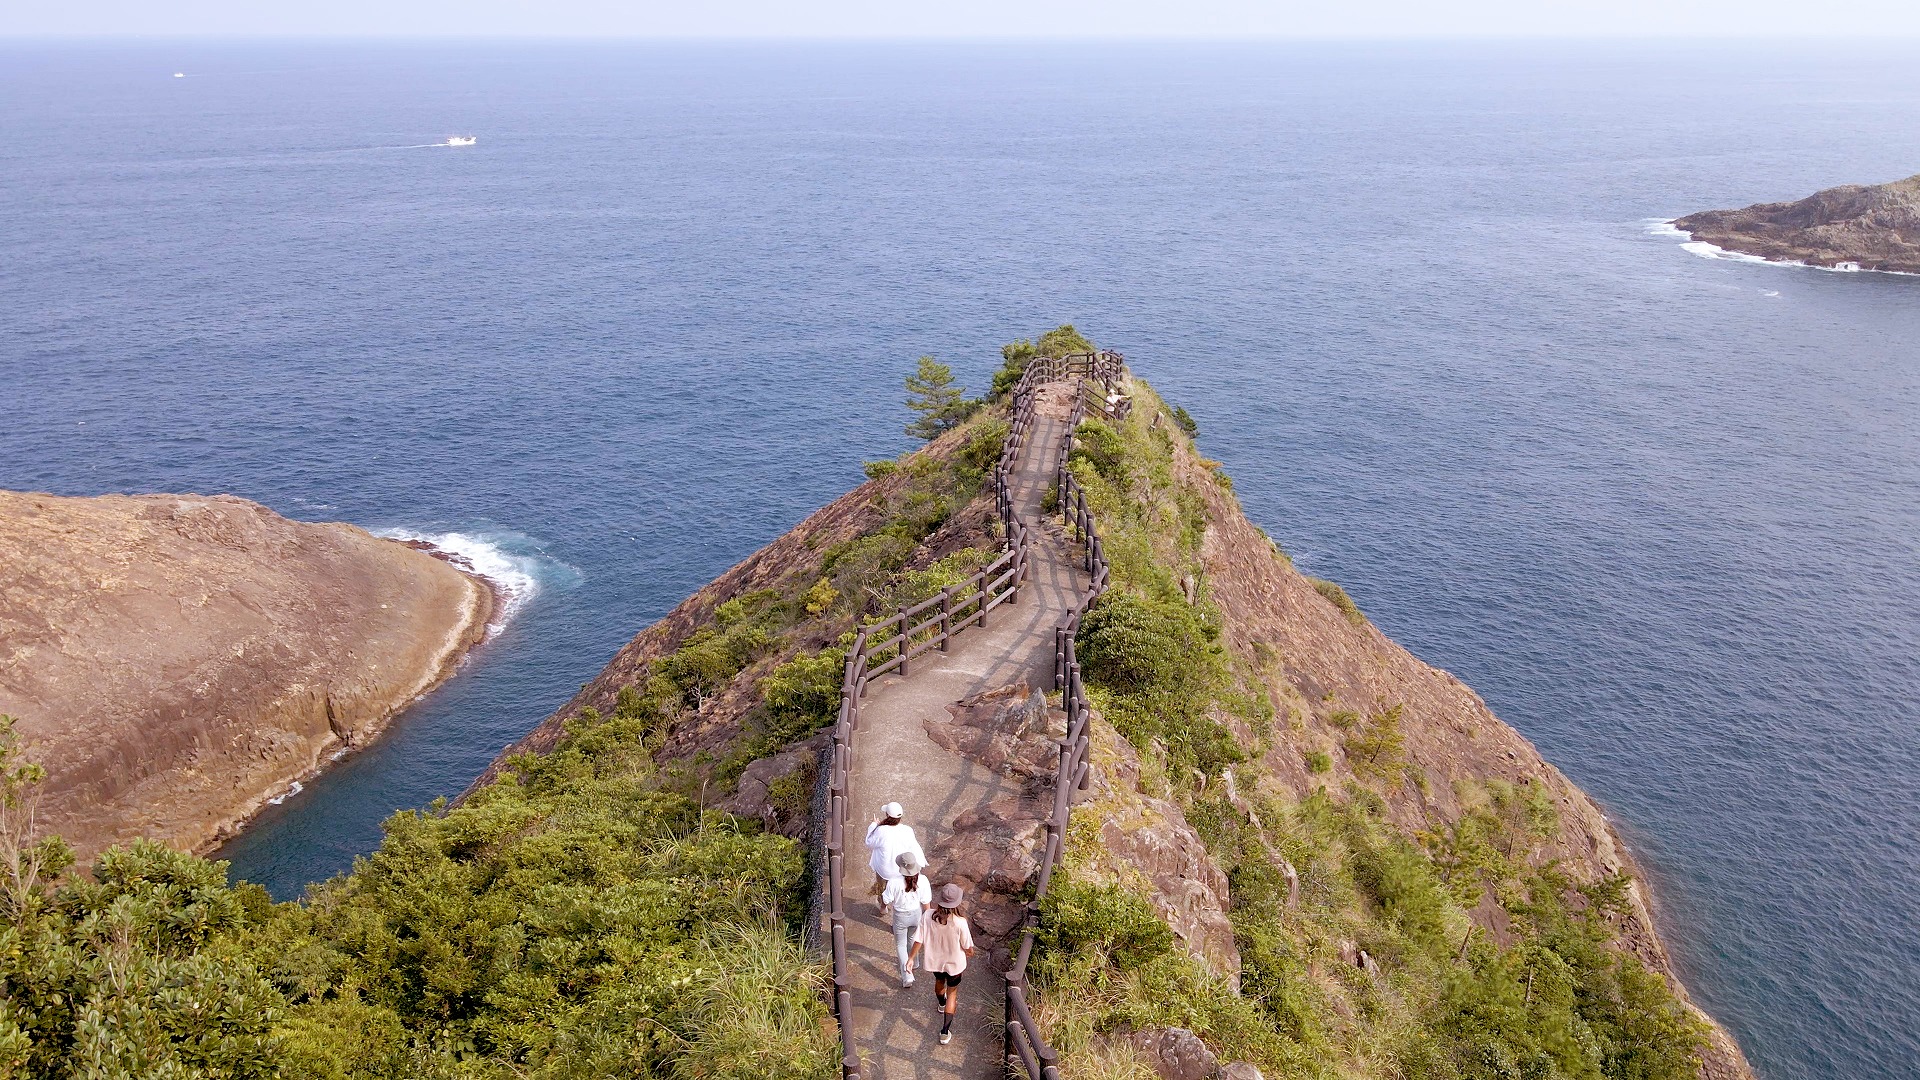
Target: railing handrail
<point>997,583</point>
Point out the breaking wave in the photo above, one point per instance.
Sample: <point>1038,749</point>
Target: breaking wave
<point>504,560</point>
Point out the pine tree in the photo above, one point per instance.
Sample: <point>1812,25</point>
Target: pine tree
<point>931,393</point>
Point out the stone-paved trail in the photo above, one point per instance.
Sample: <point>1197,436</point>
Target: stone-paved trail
<point>897,1030</point>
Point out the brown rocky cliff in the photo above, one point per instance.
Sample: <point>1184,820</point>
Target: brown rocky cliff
<point>174,660</point>
<point>1318,663</point>
<point>1875,227</point>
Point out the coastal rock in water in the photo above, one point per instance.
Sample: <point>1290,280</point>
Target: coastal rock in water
<point>175,660</point>
<point>1872,227</point>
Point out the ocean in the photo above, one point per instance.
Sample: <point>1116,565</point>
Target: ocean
<point>1659,509</point>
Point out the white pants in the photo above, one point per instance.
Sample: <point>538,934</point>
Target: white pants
<point>904,924</point>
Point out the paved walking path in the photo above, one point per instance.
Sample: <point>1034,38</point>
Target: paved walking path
<point>897,1030</point>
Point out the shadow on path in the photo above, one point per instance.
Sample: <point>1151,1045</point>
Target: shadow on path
<point>895,1029</point>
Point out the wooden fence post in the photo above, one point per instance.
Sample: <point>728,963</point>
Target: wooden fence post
<point>946,616</point>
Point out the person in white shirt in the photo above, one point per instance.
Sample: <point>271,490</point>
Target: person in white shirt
<point>907,896</point>
<point>887,840</point>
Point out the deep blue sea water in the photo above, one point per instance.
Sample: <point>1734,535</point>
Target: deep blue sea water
<point>1659,509</point>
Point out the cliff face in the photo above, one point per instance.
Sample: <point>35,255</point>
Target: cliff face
<point>1326,669</point>
<point>1873,227</point>
<point>174,660</point>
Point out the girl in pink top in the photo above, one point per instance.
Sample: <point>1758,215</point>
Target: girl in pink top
<point>948,941</point>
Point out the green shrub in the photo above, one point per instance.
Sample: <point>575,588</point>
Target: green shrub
<point>708,660</point>
<point>1338,597</point>
<point>1015,356</point>
<point>1101,447</point>
<point>1155,649</point>
<point>912,587</point>
<point>877,469</point>
<point>1186,421</point>
<point>804,693</point>
<point>1102,925</point>
<point>1377,749</point>
<point>820,598</point>
<point>1319,761</point>
<point>984,444</point>
<point>1062,340</point>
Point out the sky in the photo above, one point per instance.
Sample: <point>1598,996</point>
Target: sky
<point>962,20</point>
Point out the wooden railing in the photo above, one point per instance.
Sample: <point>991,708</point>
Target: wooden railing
<point>892,643</point>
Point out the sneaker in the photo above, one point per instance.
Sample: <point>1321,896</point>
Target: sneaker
<point>906,978</point>
<point>946,1037</point>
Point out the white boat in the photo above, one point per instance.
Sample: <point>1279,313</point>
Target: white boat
<point>462,140</point>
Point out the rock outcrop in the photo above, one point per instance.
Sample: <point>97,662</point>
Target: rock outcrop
<point>1147,843</point>
<point>1855,226</point>
<point>175,660</point>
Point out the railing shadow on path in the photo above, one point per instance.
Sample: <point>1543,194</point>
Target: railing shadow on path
<point>909,663</point>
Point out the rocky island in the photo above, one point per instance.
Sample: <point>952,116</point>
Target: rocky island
<point>1851,227</point>
<point>172,661</point>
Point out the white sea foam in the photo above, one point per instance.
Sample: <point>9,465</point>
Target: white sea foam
<point>1713,251</point>
<point>291,791</point>
<point>515,576</point>
<point>1709,251</point>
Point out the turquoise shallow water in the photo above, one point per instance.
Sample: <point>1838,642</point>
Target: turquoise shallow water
<point>1660,510</point>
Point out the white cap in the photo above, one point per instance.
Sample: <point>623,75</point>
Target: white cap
<point>893,809</point>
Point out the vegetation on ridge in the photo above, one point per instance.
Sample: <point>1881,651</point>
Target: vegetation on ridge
<point>1370,961</point>
<point>588,914</point>
<point>591,913</point>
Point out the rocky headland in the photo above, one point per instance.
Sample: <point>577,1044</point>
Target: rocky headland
<point>173,661</point>
<point>1351,716</point>
<point>1854,226</point>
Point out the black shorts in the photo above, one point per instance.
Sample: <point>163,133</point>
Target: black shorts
<point>942,980</point>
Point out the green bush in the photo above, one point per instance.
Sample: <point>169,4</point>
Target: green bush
<point>1015,356</point>
<point>984,444</point>
<point>1101,447</point>
<point>913,586</point>
<point>569,921</point>
<point>804,693</point>
<point>1338,597</point>
<point>1319,761</point>
<point>1156,649</point>
<point>1062,340</point>
<point>1102,925</point>
<point>1377,749</point>
<point>1186,421</point>
<point>708,660</point>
